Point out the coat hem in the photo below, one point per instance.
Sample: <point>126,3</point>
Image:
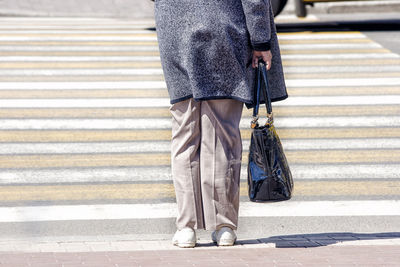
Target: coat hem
<point>210,98</point>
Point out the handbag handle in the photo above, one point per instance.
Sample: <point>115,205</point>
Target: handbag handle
<point>261,78</point>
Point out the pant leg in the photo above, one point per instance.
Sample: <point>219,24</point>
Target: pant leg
<point>185,145</point>
<point>220,161</point>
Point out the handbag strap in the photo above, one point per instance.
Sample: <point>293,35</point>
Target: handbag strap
<point>262,79</point>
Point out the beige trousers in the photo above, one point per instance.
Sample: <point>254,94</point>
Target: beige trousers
<point>206,153</point>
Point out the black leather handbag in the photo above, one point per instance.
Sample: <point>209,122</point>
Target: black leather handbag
<point>268,174</point>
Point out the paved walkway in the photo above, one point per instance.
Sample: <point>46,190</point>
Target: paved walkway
<point>236,256</point>
<point>334,249</point>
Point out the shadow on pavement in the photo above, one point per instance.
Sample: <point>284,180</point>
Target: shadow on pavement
<point>326,26</point>
<point>318,240</point>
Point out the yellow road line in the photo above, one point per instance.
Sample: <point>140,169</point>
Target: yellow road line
<point>78,65</point>
<point>165,135</point>
<point>79,53</point>
<point>96,93</point>
<point>83,35</point>
<point>157,64</point>
<point>99,43</point>
<point>341,75</point>
<point>155,43</point>
<point>149,93</point>
<point>162,159</point>
<point>334,51</point>
<point>154,34</point>
<point>163,190</point>
<point>340,62</point>
<point>384,110</point>
<point>326,41</point>
<point>83,78</point>
<point>309,91</point>
<point>319,33</point>
<point>156,53</point>
<point>359,90</point>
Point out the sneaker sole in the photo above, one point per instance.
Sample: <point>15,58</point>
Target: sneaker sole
<point>226,242</point>
<point>185,245</point>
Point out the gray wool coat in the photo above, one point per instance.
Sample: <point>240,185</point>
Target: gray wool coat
<point>206,48</point>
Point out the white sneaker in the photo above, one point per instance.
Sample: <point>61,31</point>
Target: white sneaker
<point>224,236</point>
<point>184,238</point>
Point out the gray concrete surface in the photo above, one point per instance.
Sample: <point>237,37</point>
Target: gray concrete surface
<point>77,8</point>
<point>144,8</point>
<point>352,7</point>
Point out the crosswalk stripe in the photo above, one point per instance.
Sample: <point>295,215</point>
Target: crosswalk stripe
<point>156,73</point>
<point>163,159</point>
<point>166,190</point>
<point>162,123</point>
<point>63,82</point>
<point>164,102</point>
<point>168,210</point>
<point>157,64</point>
<point>165,146</point>
<point>89,51</point>
<point>45,58</point>
<point>163,112</point>
<point>293,83</point>
<point>106,75</point>
<point>24,136</point>
<point>111,175</point>
<point>163,93</point>
<point>132,31</point>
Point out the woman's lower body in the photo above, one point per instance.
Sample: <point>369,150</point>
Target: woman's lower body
<point>206,155</point>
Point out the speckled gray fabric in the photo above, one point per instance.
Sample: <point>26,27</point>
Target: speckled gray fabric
<point>206,48</point>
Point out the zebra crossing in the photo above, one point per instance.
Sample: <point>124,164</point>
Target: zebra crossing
<point>85,133</point>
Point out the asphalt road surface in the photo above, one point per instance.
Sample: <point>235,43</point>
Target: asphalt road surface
<point>85,131</point>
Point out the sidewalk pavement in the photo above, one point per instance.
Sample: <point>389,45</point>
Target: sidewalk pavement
<point>240,255</point>
<point>330,249</point>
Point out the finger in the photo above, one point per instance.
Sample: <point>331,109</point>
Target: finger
<point>255,62</point>
<point>268,61</point>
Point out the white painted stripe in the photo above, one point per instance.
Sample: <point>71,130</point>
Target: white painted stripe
<point>85,175</point>
<point>157,58</point>
<point>78,59</point>
<point>348,143</point>
<point>161,84</point>
<point>79,22</point>
<point>164,102</point>
<point>76,38</point>
<point>165,123</point>
<point>81,102</point>
<point>76,48</point>
<point>155,173</point>
<point>61,31</point>
<point>322,36</point>
<point>339,100</point>
<point>70,20</point>
<point>292,17</point>
<point>80,85</point>
<point>158,71</point>
<point>342,69</point>
<point>92,27</point>
<point>155,47</point>
<point>342,56</point>
<point>321,208</point>
<point>165,146</point>
<point>80,72</point>
<point>345,171</point>
<point>329,46</point>
<point>342,82</point>
<point>169,210</point>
